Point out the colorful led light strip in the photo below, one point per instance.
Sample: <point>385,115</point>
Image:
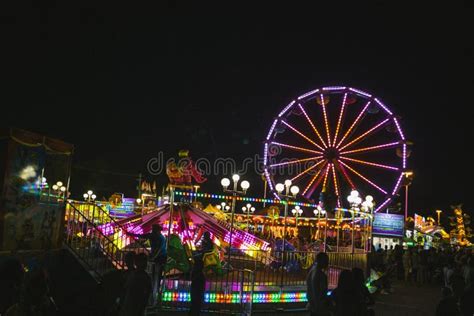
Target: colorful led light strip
<point>362,177</point>
<point>382,205</point>
<point>312,125</point>
<point>241,198</point>
<point>236,298</point>
<point>326,122</point>
<point>307,170</point>
<point>302,135</point>
<point>399,128</point>
<point>398,183</point>
<point>298,148</point>
<point>365,94</point>
<point>371,163</point>
<point>369,148</point>
<point>353,124</point>
<point>336,187</point>
<point>404,156</point>
<point>333,88</point>
<point>326,175</point>
<point>286,108</point>
<point>365,134</point>
<point>383,106</point>
<point>294,161</point>
<point>340,118</point>
<point>271,129</point>
<point>308,94</point>
<point>312,180</point>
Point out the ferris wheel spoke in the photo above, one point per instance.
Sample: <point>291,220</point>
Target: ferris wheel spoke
<point>346,175</point>
<point>326,175</point>
<point>313,179</point>
<point>370,131</point>
<point>336,186</point>
<point>340,118</point>
<point>362,177</point>
<point>294,161</point>
<point>302,135</point>
<point>354,124</point>
<point>373,164</point>
<point>312,125</point>
<point>372,148</point>
<point>307,170</point>
<point>298,148</point>
<point>326,122</point>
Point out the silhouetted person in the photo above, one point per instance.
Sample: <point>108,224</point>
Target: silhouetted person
<point>344,296</point>
<point>363,294</point>
<point>137,289</point>
<point>198,282</point>
<point>317,286</point>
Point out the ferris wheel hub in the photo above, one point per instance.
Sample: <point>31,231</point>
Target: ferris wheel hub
<point>331,154</point>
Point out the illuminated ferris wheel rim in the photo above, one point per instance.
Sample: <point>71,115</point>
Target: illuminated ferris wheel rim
<point>328,148</point>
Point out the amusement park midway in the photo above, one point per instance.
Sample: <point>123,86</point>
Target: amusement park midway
<point>332,233</point>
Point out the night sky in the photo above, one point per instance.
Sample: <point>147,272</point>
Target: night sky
<point>123,82</point>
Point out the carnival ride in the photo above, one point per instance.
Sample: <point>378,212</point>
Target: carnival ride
<point>340,139</point>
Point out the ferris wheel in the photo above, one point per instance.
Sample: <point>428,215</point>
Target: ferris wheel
<point>337,139</point>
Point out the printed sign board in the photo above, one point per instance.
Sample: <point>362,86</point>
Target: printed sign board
<point>388,224</point>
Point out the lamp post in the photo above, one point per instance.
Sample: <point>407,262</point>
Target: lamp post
<point>90,197</point>
<point>247,210</point>
<point>297,211</point>
<point>358,205</point>
<point>407,181</point>
<point>318,212</point>
<point>223,207</point>
<point>439,216</point>
<point>287,187</point>
<point>60,190</point>
<point>225,182</point>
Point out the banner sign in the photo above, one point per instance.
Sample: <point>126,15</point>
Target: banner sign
<point>388,224</point>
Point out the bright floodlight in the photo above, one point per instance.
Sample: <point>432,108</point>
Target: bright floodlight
<point>287,183</point>
<point>55,187</point>
<point>294,190</point>
<point>63,189</point>
<point>354,193</point>
<point>369,198</point>
<point>245,185</point>
<point>59,184</point>
<point>225,182</point>
<point>89,192</point>
<point>279,187</point>
<point>85,195</point>
<point>235,177</point>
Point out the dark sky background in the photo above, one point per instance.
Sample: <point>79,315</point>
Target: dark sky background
<point>123,81</point>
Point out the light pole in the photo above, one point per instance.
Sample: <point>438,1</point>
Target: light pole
<point>319,211</point>
<point>358,205</point>
<point>225,182</point>
<point>247,210</point>
<point>439,216</point>
<point>407,181</point>
<point>297,211</point>
<point>223,207</point>
<point>287,187</point>
<point>60,190</point>
<point>90,198</point>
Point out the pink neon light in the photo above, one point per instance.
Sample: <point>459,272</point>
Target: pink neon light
<point>340,118</point>
<point>307,170</point>
<point>294,161</point>
<point>404,156</point>
<point>382,205</point>
<point>365,94</point>
<point>371,163</point>
<point>362,177</point>
<point>333,88</point>
<point>399,129</point>
<point>365,134</point>
<point>271,129</point>
<point>265,154</point>
<point>312,180</point>
<point>398,183</point>
<point>286,108</point>
<point>344,172</point>
<point>308,94</point>
<point>302,135</point>
<point>369,148</point>
<point>326,119</point>
<point>383,106</point>
<point>298,148</point>
<point>354,124</point>
<point>312,125</point>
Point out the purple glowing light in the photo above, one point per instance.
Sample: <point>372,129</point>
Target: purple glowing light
<point>383,106</point>
<point>286,108</point>
<point>271,129</point>
<point>308,94</point>
<point>382,205</point>
<point>334,88</point>
<point>398,184</point>
<point>404,156</point>
<point>399,128</point>
<point>365,94</point>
